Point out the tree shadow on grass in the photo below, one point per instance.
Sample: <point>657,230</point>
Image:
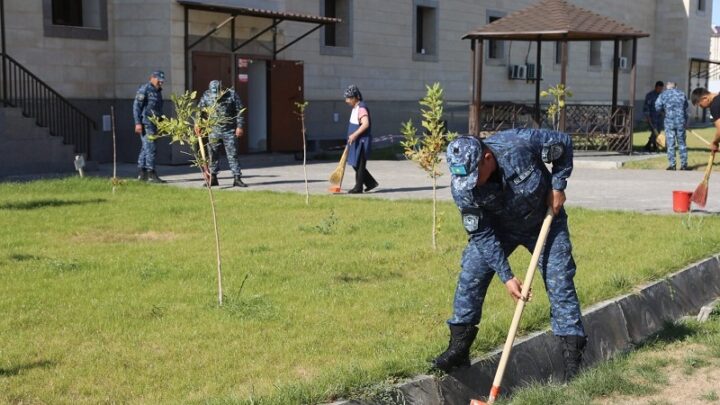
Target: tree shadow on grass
<point>36,204</point>
<point>15,370</point>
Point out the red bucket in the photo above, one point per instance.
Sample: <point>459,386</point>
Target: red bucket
<point>681,201</point>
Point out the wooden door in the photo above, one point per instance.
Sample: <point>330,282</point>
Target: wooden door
<point>286,79</point>
<point>209,66</point>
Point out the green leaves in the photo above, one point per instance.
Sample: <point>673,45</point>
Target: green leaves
<point>191,121</point>
<point>559,94</point>
<point>425,149</point>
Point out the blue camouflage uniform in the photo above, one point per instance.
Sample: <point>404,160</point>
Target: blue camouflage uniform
<point>675,104</point>
<point>229,109</point>
<point>654,115</point>
<point>506,212</point>
<point>148,102</point>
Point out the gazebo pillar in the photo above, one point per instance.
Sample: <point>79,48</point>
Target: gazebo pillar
<point>476,88</point>
<point>563,81</point>
<point>633,83</point>
<point>538,73</point>
<point>616,71</point>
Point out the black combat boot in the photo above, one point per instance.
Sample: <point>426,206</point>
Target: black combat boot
<point>214,180</point>
<point>152,177</point>
<point>142,175</point>
<point>573,348</point>
<point>458,351</point>
<point>238,182</point>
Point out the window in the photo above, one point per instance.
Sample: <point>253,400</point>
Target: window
<point>336,39</point>
<point>595,53</point>
<point>425,26</point>
<point>701,6</point>
<point>425,31</point>
<point>626,54</point>
<point>81,19</point>
<point>496,49</point>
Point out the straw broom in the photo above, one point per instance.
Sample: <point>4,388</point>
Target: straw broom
<point>336,177</point>
<point>700,194</point>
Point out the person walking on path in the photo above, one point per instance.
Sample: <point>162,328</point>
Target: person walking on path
<point>359,140</point>
<point>675,104</point>
<point>148,103</point>
<point>503,189</point>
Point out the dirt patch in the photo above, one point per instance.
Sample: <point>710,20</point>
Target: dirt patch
<point>119,237</point>
<point>690,376</point>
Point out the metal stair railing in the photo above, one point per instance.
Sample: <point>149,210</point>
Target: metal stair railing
<point>24,90</point>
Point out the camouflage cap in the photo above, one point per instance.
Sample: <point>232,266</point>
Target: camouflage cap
<point>215,86</point>
<point>159,74</point>
<point>463,156</point>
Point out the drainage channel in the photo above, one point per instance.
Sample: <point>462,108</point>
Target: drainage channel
<point>613,326</point>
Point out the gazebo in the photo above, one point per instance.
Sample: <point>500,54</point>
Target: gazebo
<point>596,126</point>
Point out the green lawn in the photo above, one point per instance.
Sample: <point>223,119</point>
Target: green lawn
<point>698,152</point>
<point>112,298</point>
<point>686,353</point>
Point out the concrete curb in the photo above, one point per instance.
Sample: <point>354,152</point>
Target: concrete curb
<point>613,326</point>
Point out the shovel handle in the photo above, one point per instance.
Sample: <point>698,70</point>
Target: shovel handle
<point>527,284</point>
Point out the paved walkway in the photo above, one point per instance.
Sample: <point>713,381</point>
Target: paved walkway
<point>647,191</point>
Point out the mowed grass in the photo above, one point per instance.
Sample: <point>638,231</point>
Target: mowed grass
<point>113,298</point>
<point>698,152</point>
<point>678,365</point>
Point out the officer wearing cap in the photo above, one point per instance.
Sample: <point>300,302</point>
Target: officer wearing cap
<point>503,189</point>
<point>148,103</point>
<point>228,109</point>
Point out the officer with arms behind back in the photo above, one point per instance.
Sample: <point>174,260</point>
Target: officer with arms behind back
<point>229,111</point>
<point>503,190</point>
<point>675,104</point>
<point>148,103</point>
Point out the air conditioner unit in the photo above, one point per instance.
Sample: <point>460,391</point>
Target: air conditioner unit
<point>623,62</point>
<point>517,72</point>
<point>531,71</point>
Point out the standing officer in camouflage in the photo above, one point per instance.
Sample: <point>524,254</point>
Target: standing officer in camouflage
<point>652,116</point>
<point>148,103</point>
<point>503,190</point>
<point>229,110</point>
<point>675,104</point>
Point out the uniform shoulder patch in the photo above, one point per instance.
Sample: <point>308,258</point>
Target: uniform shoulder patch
<point>552,152</point>
<point>471,222</point>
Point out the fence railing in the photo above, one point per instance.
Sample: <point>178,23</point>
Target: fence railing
<point>23,90</point>
<point>592,126</point>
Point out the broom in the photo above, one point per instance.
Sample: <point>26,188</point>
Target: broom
<point>699,196</point>
<point>336,177</point>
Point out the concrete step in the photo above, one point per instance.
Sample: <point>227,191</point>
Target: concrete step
<point>29,149</point>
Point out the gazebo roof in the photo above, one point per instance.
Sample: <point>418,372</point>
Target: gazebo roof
<point>555,20</point>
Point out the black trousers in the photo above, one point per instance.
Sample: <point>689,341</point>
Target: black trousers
<point>362,175</point>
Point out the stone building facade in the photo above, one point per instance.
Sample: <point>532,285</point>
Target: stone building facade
<point>98,56</point>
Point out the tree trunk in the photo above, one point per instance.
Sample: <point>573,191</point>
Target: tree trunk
<point>112,118</point>
<point>307,190</point>
<point>217,244</point>
<point>434,215</point>
<point>201,146</point>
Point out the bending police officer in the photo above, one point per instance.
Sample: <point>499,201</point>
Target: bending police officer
<point>653,116</point>
<point>503,189</point>
<point>148,102</point>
